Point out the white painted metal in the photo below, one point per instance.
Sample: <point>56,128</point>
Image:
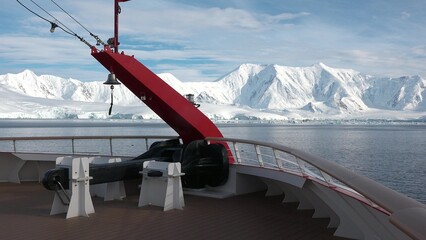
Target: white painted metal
<point>80,202</point>
<point>237,153</point>
<point>259,155</point>
<point>17,167</point>
<point>164,191</point>
<point>15,140</point>
<point>14,174</point>
<point>111,190</point>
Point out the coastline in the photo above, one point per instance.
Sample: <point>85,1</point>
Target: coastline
<point>20,122</point>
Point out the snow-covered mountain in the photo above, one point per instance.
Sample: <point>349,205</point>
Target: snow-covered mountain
<point>319,86</point>
<point>250,91</point>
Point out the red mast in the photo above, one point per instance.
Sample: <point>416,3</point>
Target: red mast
<point>180,114</point>
<point>117,11</point>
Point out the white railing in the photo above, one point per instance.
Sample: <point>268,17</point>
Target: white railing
<point>77,145</point>
<point>265,155</point>
<point>405,213</point>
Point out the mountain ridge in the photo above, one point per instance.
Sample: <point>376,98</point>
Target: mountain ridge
<point>263,91</point>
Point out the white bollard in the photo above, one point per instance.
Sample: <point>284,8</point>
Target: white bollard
<point>164,191</point>
<point>80,201</point>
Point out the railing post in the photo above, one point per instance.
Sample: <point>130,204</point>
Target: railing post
<point>279,163</point>
<point>259,155</point>
<point>327,178</point>
<point>237,152</point>
<point>14,145</point>
<point>110,146</point>
<point>72,146</point>
<point>301,165</point>
<point>146,144</point>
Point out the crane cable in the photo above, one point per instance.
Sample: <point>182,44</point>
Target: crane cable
<point>55,25</point>
<point>56,20</point>
<point>98,40</point>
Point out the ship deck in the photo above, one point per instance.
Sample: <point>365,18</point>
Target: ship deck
<point>25,209</point>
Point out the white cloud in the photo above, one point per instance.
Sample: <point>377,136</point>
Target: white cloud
<point>186,74</point>
<point>360,56</point>
<point>419,51</point>
<point>224,36</point>
<point>185,22</point>
<point>405,15</point>
<point>382,63</point>
<point>285,16</point>
<point>37,49</point>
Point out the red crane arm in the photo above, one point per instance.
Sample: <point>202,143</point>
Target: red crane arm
<point>180,114</point>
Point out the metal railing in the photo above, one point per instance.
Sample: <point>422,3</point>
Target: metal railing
<point>265,155</point>
<point>405,213</point>
<point>77,145</point>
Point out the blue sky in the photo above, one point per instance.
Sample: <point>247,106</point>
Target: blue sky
<point>204,40</point>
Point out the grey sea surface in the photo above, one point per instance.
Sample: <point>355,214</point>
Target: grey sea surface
<point>394,155</point>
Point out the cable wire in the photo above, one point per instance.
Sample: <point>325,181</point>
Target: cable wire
<point>33,12</point>
<point>98,40</point>
<point>44,10</point>
<point>68,31</point>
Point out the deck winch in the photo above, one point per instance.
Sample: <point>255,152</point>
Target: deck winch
<point>203,164</point>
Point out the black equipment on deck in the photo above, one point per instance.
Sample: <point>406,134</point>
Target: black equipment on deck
<point>203,164</point>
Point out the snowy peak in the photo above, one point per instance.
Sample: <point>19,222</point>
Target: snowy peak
<point>28,74</point>
<point>175,83</point>
<point>281,87</point>
<point>318,90</point>
<point>319,67</point>
<point>404,93</point>
<point>28,83</point>
<point>345,90</point>
<point>239,76</point>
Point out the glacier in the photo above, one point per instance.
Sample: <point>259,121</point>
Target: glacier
<point>249,92</point>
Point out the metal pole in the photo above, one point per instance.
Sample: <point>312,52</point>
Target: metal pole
<point>110,146</point>
<point>259,155</point>
<point>72,145</point>
<point>116,12</point>
<point>237,152</point>
<point>277,160</point>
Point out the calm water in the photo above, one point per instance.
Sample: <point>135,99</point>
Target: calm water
<point>394,155</point>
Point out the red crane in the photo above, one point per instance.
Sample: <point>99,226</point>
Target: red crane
<point>179,113</point>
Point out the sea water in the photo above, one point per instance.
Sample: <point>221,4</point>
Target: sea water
<point>394,155</point>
